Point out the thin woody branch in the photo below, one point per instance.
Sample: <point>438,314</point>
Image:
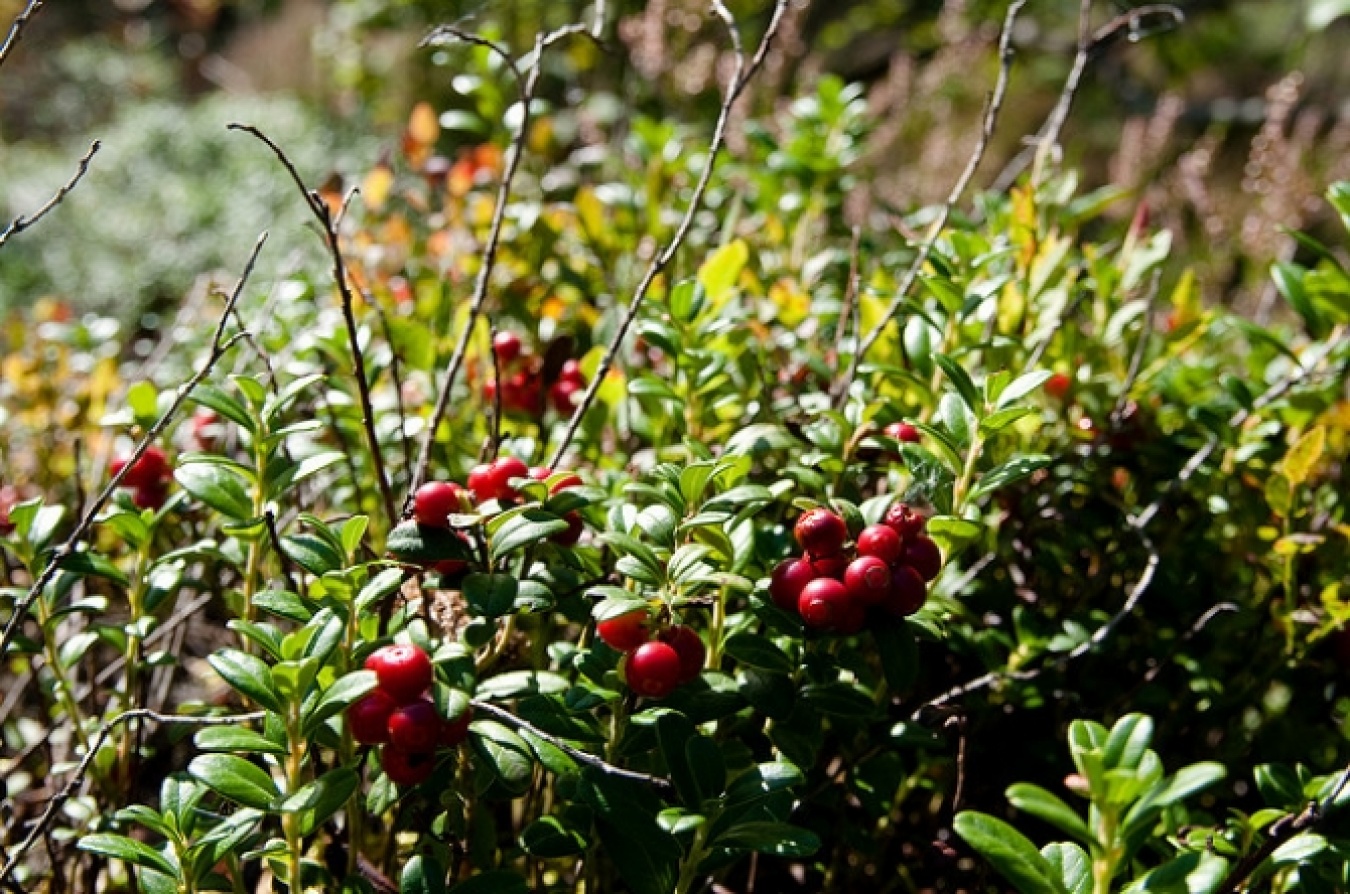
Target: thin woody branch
<point>23,222</point>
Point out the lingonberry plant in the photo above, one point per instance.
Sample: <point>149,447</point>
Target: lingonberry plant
<point>683,537</point>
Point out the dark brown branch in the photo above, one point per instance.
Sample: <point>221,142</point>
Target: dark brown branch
<point>16,29</point>
<point>21,223</point>
<point>219,346</point>
<point>739,80</point>
<point>77,778</point>
<point>991,113</point>
<point>501,715</point>
<point>329,223</point>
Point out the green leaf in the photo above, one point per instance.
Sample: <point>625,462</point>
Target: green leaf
<point>1043,805</point>
<point>505,754</point>
<point>144,401</point>
<point>899,653</point>
<point>87,563</point>
<point>120,847</point>
<point>248,675</point>
<point>1188,781</point>
<point>236,739</point>
<point>1009,851</point>
<point>550,839</point>
<point>1013,470</point>
<point>774,839</point>
<point>719,273</point>
<point>515,684</point>
<point>1128,741</point>
<point>422,875</point>
<point>1289,281</point>
<point>235,779</point>
<point>527,527</point>
<point>673,732</point>
<point>344,692</point>
<point>998,421</point>
<point>490,595</point>
<point>1299,849</point>
<point>839,699</point>
<point>423,544</point>
<point>217,487</point>
<point>960,380</point>
<point>952,533</point>
<point>1190,873</point>
<point>1072,864</point>
<point>322,798</point>
<point>313,553</point>
<point>754,650</point>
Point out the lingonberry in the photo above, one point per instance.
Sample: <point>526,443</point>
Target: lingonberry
<point>404,768</point>
<point>506,345</point>
<point>1058,386</point>
<point>450,566</point>
<point>787,582</point>
<point>570,536</point>
<point>415,727</point>
<point>540,473</point>
<point>868,580</point>
<point>456,731</point>
<point>904,431</point>
<point>821,533</point>
<point>824,603</point>
<point>625,632</point>
<point>689,646</point>
<point>9,498</point>
<point>907,521</point>
<point>653,670</point>
<point>571,372</point>
<point>500,474</point>
<point>907,593</point>
<point>830,566</point>
<point>923,555</point>
<point>205,428</point>
<point>480,482</point>
<point>881,541</point>
<point>150,496</point>
<point>369,718</point>
<point>152,468</point>
<point>563,395</point>
<point>404,671</point>
<point>435,501</point>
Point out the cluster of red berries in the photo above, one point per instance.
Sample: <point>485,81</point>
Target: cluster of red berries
<point>522,379</point>
<point>889,570</point>
<point>401,719</point>
<point>654,667</point>
<point>435,501</point>
<point>148,478</point>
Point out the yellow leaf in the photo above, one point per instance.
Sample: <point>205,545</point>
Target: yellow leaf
<point>376,187</point>
<point>1302,458</point>
<point>423,127</point>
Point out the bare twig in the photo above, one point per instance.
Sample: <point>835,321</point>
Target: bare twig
<point>850,297</point>
<point>991,113</point>
<point>582,757</point>
<point>525,86</point>
<point>1047,143</point>
<point>77,778</point>
<point>219,346</point>
<point>329,223</point>
<point>21,223</point>
<point>740,78</point>
<point>16,29</point>
<point>1140,349</point>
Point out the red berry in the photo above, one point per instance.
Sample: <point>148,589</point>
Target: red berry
<point>450,566</point>
<point>506,345</point>
<point>1058,386</point>
<point>907,521</point>
<point>9,497</point>
<point>415,727</point>
<point>435,501</point>
<point>868,580</point>
<point>151,469</point>
<point>903,431</point>
<point>689,645</point>
<point>825,603</point>
<point>404,671</point>
<point>907,593</point>
<point>821,533</point>
<point>923,555</point>
<point>403,768</point>
<point>830,566</point>
<point>205,428</point>
<point>787,582</point>
<point>455,731</point>
<point>881,541</point>
<point>563,395</point>
<point>521,393</point>
<point>571,372</point>
<point>572,480</point>
<point>573,533</point>
<point>480,482</point>
<point>369,718</point>
<point>625,632</point>
<point>540,473</point>
<point>500,474</point>
<point>653,670</point>
<point>150,496</point>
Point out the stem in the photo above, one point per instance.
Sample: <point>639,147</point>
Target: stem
<point>719,621</point>
<point>295,758</point>
<point>132,659</point>
<point>689,871</point>
<point>967,475</point>
<point>64,692</point>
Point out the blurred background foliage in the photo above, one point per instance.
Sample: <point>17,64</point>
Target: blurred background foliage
<point>1229,126</point>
